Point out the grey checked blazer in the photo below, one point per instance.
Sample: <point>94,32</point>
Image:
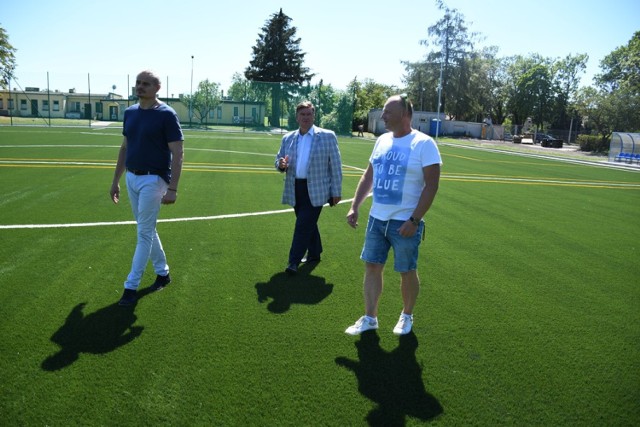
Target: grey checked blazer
<point>324,176</point>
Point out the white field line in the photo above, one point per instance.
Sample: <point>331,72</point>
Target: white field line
<point>103,224</point>
<point>605,164</point>
<point>249,214</point>
<point>195,218</point>
<point>541,181</point>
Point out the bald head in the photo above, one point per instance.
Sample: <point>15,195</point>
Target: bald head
<point>396,114</point>
<point>404,103</point>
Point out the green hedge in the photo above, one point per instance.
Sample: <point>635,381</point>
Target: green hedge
<point>594,143</point>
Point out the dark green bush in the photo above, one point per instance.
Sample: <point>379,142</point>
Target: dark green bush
<point>593,143</point>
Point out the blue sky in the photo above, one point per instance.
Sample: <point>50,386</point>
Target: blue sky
<point>343,39</point>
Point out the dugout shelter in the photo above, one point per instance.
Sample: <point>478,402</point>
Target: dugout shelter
<point>625,147</point>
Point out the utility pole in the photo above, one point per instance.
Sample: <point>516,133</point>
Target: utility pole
<point>439,99</point>
<point>191,96</point>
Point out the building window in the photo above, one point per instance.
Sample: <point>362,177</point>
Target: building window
<point>99,107</point>
<point>1,104</point>
<point>235,111</point>
<point>11,107</point>
<point>56,105</point>
<point>23,104</point>
<point>45,105</point>
<point>254,113</point>
<point>219,112</point>
<point>211,113</point>
<point>75,107</point>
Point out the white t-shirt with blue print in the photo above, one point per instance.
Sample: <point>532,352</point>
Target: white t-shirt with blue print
<point>398,178</point>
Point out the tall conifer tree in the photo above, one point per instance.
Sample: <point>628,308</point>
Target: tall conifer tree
<point>277,58</point>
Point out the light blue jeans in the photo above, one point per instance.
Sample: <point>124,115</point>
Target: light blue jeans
<point>381,236</point>
<point>145,193</point>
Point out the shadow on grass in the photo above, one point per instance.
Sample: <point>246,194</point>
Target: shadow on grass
<point>393,380</point>
<point>285,290</point>
<point>96,333</point>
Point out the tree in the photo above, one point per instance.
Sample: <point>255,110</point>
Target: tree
<point>480,87</point>
<point>324,97</point>
<point>451,36</point>
<point>7,59</point>
<point>622,67</point>
<point>422,79</point>
<point>565,83</point>
<point>277,58</point>
<point>242,89</point>
<point>620,85</point>
<point>238,89</point>
<point>614,104</point>
<point>595,106</point>
<point>530,89</point>
<point>499,91</point>
<point>205,99</point>
<point>369,95</point>
<point>339,120</point>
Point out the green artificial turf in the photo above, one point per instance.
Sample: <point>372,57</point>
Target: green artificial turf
<point>529,312</point>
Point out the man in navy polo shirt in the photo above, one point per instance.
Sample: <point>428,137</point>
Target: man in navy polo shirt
<point>152,155</point>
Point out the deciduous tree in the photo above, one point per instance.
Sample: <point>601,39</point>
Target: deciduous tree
<point>613,105</point>
<point>368,95</point>
<point>7,59</point>
<point>205,100</point>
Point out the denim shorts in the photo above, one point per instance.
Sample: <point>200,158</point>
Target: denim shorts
<point>382,236</point>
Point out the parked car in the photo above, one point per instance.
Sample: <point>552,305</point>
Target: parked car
<point>546,140</point>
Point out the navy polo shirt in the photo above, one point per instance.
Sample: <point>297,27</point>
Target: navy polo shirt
<point>149,133</point>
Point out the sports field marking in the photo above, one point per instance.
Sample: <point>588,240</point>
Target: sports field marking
<point>605,164</point>
<point>246,168</point>
<point>239,168</point>
<point>537,181</point>
<point>195,218</point>
<point>261,168</point>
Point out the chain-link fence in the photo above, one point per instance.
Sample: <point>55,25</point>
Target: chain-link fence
<point>245,104</point>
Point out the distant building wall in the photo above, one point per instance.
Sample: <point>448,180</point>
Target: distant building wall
<point>34,102</point>
<point>421,120</point>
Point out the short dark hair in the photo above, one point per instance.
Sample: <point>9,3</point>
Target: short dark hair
<point>152,76</point>
<point>305,104</point>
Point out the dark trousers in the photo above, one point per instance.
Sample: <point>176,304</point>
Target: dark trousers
<point>306,235</point>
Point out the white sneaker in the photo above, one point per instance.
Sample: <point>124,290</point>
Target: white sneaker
<point>404,324</point>
<point>363,324</point>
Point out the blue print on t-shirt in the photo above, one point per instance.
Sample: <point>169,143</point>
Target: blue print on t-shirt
<point>389,172</point>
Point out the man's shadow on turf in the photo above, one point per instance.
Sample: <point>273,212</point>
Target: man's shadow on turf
<point>97,333</point>
<point>284,290</point>
<point>393,380</point>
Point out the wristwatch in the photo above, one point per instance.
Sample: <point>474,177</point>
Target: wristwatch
<point>414,221</point>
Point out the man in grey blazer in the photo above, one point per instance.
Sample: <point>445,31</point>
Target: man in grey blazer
<point>310,159</point>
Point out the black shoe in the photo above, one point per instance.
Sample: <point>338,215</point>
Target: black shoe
<point>161,282</point>
<point>129,297</point>
<point>291,269</point>
<point>311,259</point>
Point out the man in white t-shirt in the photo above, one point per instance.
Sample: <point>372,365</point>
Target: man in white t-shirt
<point>403,174</point>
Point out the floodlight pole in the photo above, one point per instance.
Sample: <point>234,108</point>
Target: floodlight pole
<point>439,99</point>
<point>191,95</point>
<point>570,130</point>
